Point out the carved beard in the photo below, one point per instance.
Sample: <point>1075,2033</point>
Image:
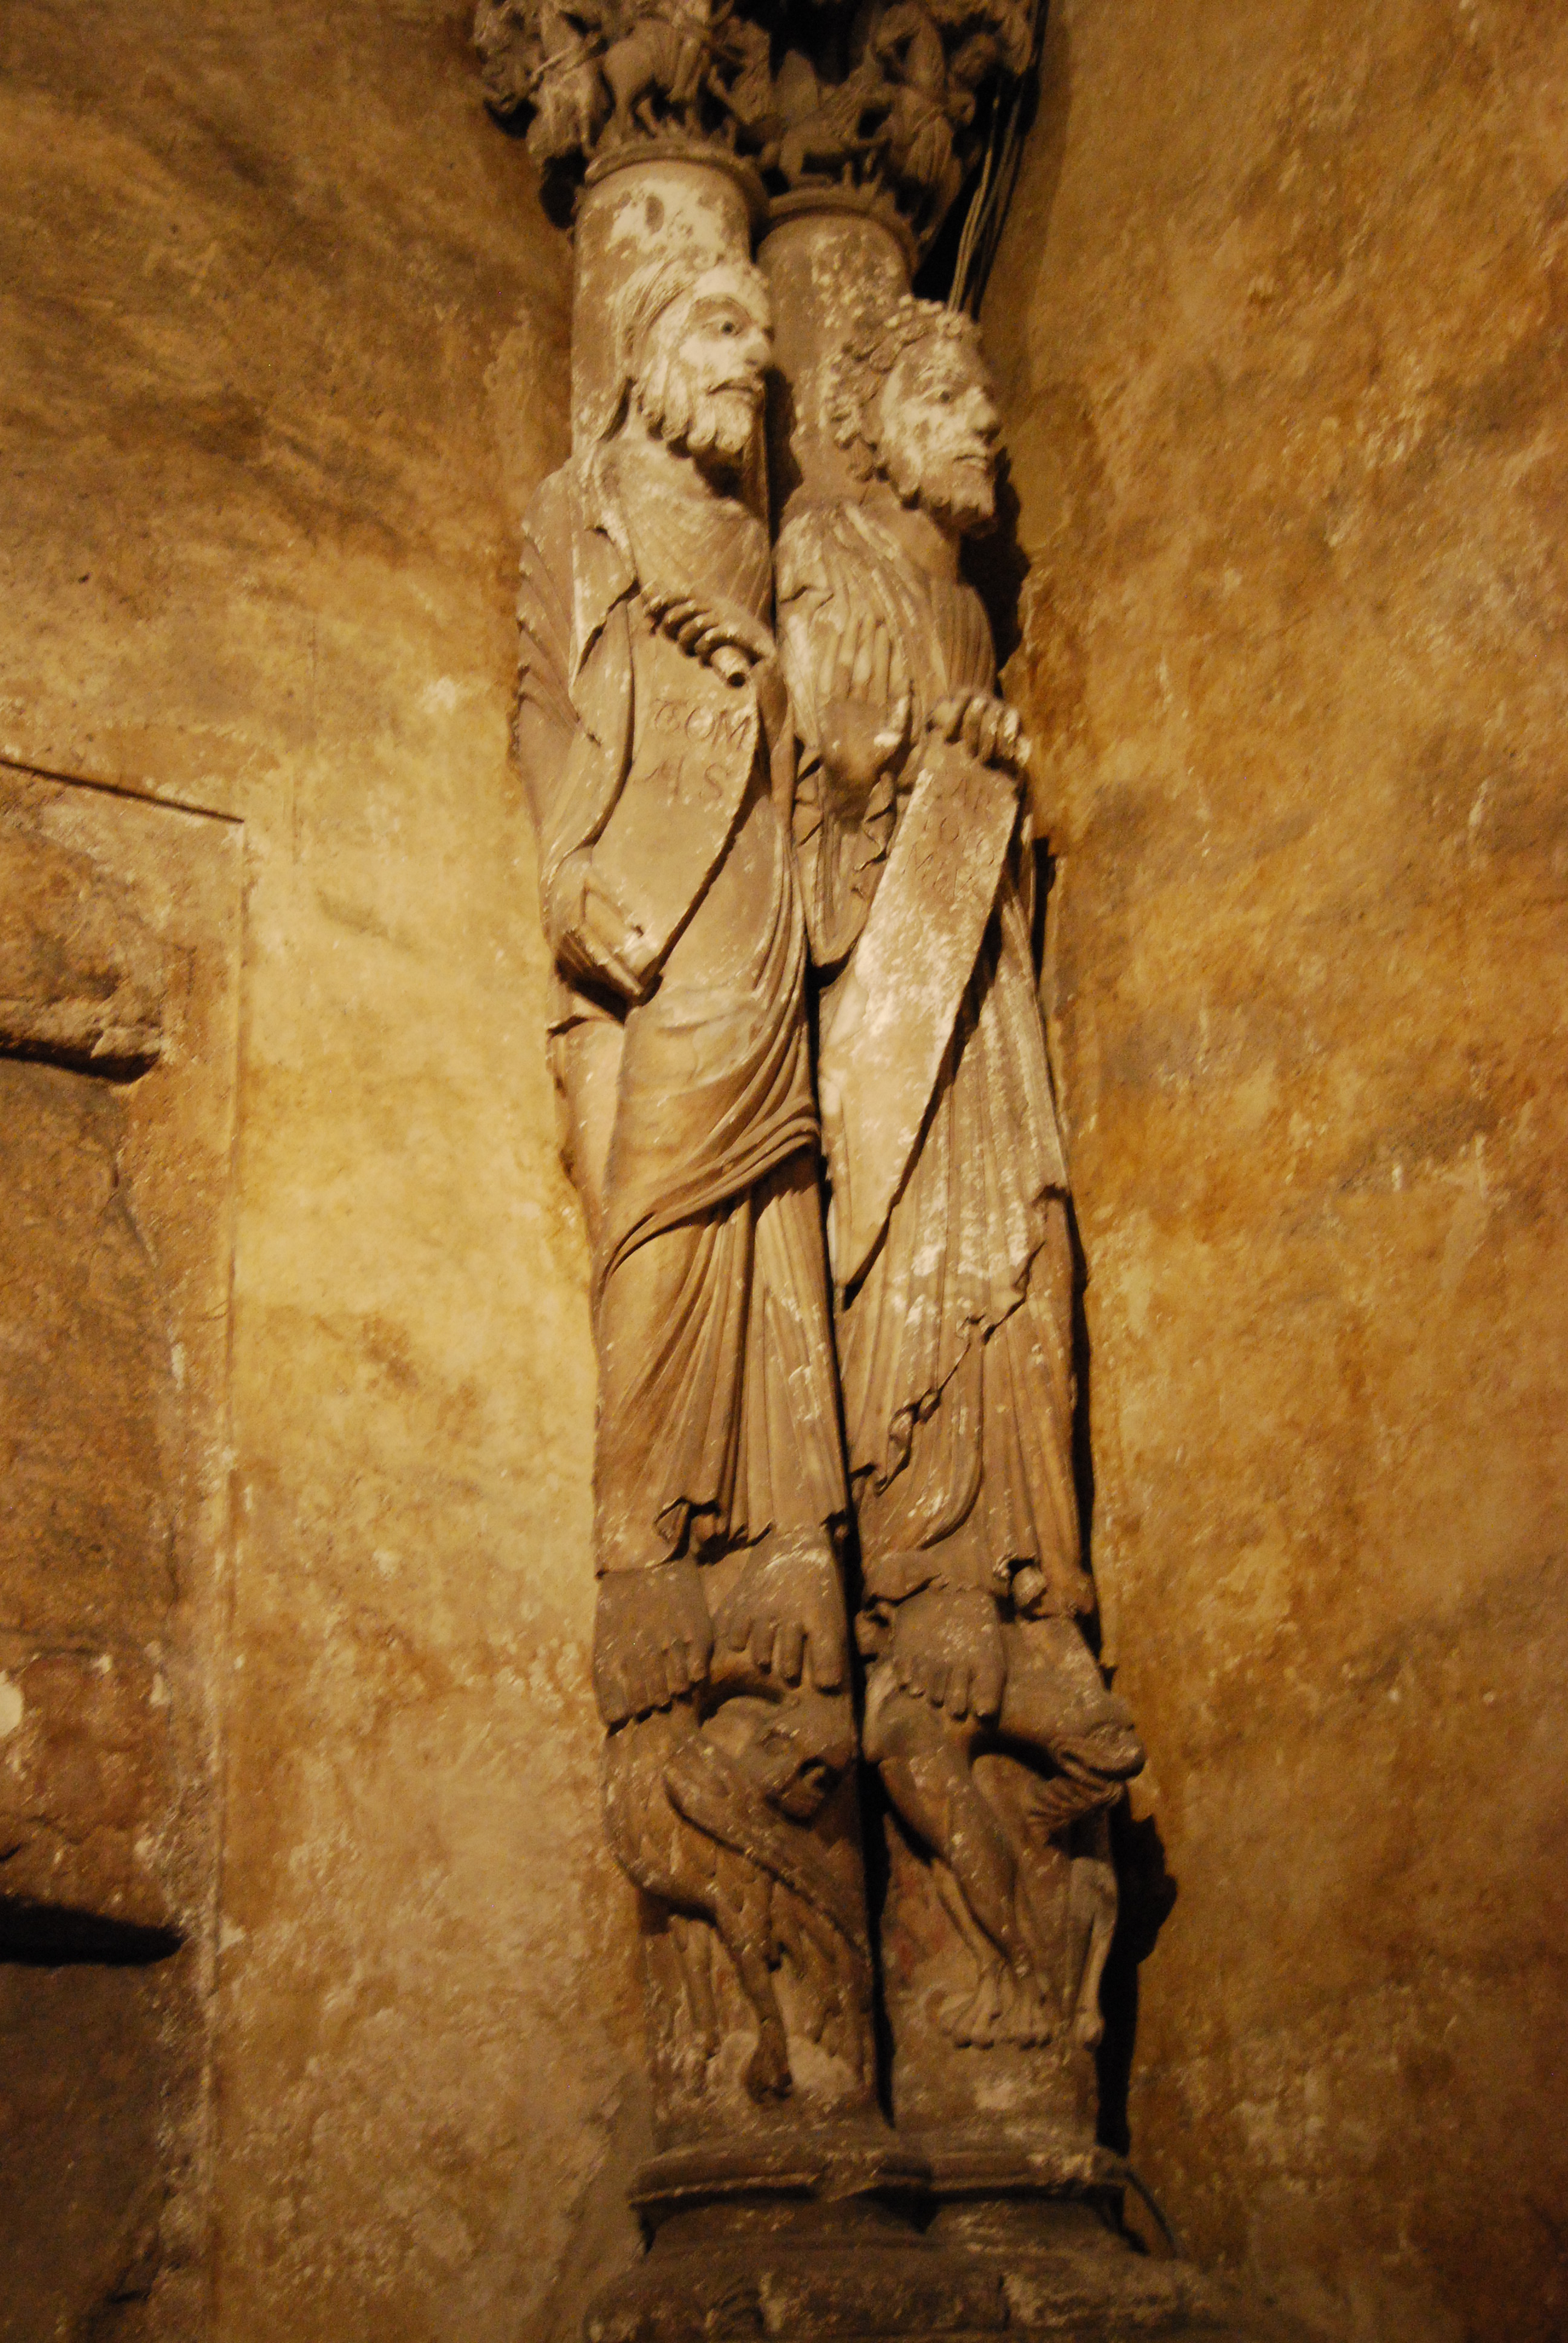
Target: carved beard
<point>960,496</point>
<point>715,427</point>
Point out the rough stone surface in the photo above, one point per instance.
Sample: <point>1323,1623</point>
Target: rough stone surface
<point>1280,325</point>
<point>115,1264</point>
<point>284,355</point>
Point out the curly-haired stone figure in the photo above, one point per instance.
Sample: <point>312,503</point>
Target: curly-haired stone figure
<point>950,1225</point>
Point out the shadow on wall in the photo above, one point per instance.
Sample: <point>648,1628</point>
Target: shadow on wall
<point>998,566</point>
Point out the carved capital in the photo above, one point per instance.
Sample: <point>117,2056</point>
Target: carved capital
<point>889,112</point>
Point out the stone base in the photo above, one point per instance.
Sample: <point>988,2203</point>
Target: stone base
<point>793,2268</point>
<point>797,2267</point>
<point>1063,2270</point>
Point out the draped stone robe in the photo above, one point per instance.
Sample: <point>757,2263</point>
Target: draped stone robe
<point>691,1125</point>
<point>955,1342</point>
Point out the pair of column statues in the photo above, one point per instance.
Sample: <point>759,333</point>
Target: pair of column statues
<point>787,882</point>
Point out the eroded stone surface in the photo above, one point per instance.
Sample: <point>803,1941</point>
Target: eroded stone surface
<point>998,1747</point>
<point>656,744</point>
<point>80,974</point>
<point>285,357</point>
<point>278,307</point>
<point>113,1282</point>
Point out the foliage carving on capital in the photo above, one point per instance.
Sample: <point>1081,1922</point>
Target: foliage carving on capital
<point>891,107</point>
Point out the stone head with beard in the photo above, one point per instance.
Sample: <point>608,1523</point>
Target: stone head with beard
<point>694,352</point>
<point>913,406</point>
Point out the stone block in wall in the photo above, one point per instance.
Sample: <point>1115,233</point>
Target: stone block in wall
<point>119,960</point>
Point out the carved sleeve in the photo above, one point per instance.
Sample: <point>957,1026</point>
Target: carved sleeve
<point>843,821</point>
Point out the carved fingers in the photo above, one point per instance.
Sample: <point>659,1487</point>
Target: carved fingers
<point>986,725</point>
<point>861,661</point>
<point>947,1648</point>
<point>653,1639</point>
<point>728,640</point>
<point>859,742</point>
<point>787,1611</point>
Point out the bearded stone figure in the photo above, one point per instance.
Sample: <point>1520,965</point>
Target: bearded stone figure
<point>986,1715</point>
<point>654,735</point>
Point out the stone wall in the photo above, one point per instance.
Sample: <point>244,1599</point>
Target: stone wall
<point>283,350</point>
<point>1281,316</point>
<point>283,354</point>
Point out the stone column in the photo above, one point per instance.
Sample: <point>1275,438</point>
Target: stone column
<point>773,1910</point>
<point>736,808</point>
<point>1009,2106</point>
<point>654,739</point>
<point>997,1748</point>
<point>832,264</point>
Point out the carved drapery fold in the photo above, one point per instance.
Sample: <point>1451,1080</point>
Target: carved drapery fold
<point>787,876</point>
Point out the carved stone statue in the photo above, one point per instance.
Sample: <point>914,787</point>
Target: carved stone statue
<point>653,734</point>
<point>717,810</point>
<point>990,1725</point>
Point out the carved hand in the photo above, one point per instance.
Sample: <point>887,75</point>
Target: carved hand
<point>652,1639</point>
<point>591,936</point>
<point>729,640</point>
<point>863,709</point>
<point>987,727</point>
<point>787,1606</point>
<point>947,1648</point>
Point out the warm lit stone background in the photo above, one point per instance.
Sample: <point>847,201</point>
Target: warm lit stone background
<point>282,346</point>
<point>1281,318</point>
<point>1280,327</point>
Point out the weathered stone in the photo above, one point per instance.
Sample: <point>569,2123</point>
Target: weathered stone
<point>655,743</point>
<point>80,975</point>
<point>113,1277</point>
<point>86,1776</point>
<point>285,357</point>
<point>887,111</point>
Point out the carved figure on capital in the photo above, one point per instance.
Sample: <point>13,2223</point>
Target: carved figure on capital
<point>995,1735</point>
<point>654,735</point>
<point>889,104</point>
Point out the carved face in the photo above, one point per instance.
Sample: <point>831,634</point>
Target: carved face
<point>705,365</point>
<point>938,427</point>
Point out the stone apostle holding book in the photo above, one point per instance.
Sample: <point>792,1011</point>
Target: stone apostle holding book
<point>949,1225</point>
